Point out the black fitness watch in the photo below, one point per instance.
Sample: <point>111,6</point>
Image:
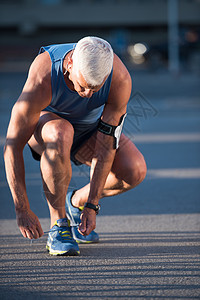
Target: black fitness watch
<point>96,208</point>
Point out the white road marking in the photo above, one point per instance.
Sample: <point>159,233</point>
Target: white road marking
<point>193,173</point>
<point>165,137</point>
<point>34,179</point>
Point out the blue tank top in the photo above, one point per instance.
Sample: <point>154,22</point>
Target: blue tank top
<point>67,103</point>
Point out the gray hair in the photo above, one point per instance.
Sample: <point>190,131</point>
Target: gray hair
<point>93,57</point>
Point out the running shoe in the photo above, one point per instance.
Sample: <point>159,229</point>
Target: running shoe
<point>60,240</point>
<point>74,215</point>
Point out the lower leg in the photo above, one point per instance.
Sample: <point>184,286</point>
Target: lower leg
<point>56,174</point>
<point>80,197</point>
<point>53,139</point>
<point>112,187</point>
<point>128,170</point>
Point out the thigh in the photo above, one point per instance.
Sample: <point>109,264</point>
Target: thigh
<point>48,127</point>
<point>127,155</point>
<point>86,152</point>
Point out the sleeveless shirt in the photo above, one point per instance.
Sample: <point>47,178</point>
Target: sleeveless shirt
<point>67,103</point>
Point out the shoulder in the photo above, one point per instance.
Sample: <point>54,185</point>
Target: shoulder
<point>39,76</point>
<point>121,85</point>
<point>37,88</point>
<point>40,69</point>
<point>121,76</point>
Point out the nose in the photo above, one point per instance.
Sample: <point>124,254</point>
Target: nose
<point>88,93</point>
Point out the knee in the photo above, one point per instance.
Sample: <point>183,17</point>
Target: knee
<point>59,140</point>
<point>136,172</point>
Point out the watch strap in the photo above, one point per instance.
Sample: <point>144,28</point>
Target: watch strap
<point>96,208</point>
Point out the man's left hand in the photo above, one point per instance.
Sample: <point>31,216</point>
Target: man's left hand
<point>88,221</point>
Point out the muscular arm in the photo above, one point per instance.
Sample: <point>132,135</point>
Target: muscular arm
<point>25,115</point>
<point>116,106</point>
<point>104,153</point>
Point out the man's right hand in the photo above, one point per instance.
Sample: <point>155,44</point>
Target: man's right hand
<point>29,224</point>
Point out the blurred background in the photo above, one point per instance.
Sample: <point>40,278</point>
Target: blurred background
<point>147,35</point>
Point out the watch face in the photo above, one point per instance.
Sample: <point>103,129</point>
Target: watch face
<point>98,209</point>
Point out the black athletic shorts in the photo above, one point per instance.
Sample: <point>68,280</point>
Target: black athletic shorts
<point>82,133</point>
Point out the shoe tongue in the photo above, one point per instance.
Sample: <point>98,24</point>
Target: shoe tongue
<point>62,222</point>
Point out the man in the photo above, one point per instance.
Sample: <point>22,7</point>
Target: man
<point>72,106</point>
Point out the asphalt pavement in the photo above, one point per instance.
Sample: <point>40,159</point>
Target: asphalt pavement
<point>149,237</point>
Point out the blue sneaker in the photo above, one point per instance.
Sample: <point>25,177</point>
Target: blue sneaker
<point>74,214</point>
<point>60,240</point>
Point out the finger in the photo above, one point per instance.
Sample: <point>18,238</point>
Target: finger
<point>89,229</point>
<point>36,229</point>
<point>26,233</point>
<point>23,232</point>
<point>82,226</point>
<point>79,230</point>
<point>29,234</point>
<point>35,234</point>
<point>40,230</point>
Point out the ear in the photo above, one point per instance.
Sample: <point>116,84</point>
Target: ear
<point>70,62</point>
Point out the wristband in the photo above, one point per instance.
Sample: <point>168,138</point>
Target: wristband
<point>96,208</point>
<point>112,130</point>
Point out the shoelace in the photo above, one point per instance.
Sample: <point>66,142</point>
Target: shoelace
<point>64,234</point>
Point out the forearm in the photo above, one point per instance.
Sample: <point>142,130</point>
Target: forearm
<point>101,166</point>
<point>27,221</point>
<point>14,166</point>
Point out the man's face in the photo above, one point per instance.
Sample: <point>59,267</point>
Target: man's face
<point>81,86</point>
